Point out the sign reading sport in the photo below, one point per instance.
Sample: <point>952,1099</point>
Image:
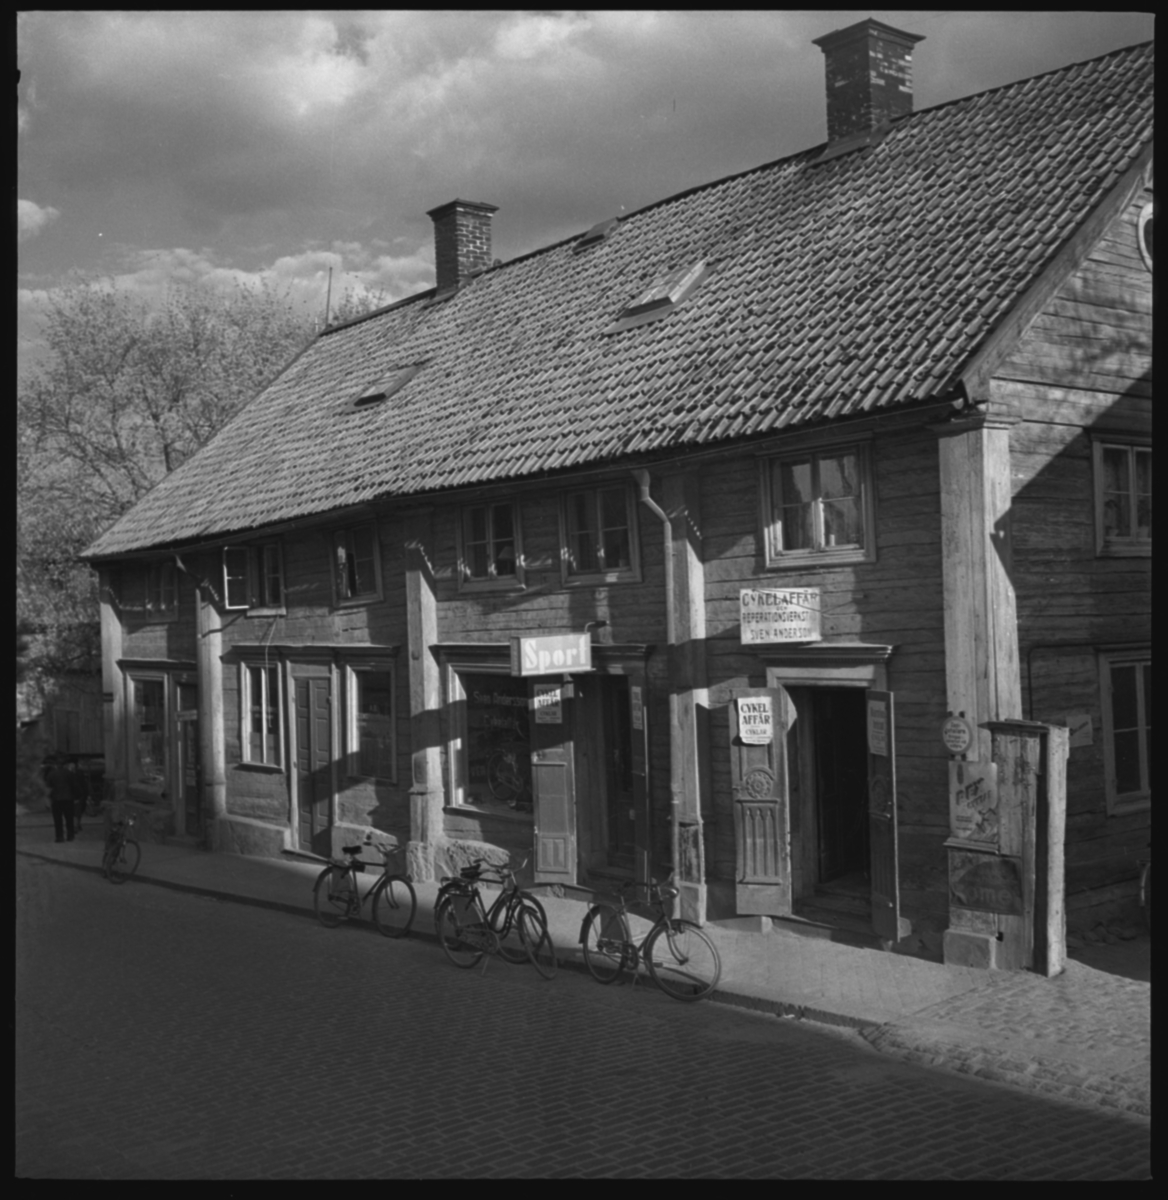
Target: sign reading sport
<point>557,654</point>
<point>779,615</point>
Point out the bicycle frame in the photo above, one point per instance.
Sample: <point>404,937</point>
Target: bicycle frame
<point>353,866</point>
<point>633,952</point>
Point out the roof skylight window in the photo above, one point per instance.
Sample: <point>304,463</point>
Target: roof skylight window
<point>661,297</point>
<point>597,233</point>
<point>386,386</point>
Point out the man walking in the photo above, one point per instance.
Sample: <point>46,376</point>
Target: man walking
<point>62,785</point>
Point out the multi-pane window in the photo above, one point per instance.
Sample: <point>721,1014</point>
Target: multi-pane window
<point>371,723</point>
<point>1127,690</point>
<point>253,576</point>
<point>148,734</point>
<point>490,548</point>
<point>819,505</point>
<point>357,572</point>
<point>1123,498</point>
<point>600,533</point>
<point>260,709</point>
<point>149,592</point>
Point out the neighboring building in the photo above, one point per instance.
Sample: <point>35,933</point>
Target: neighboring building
<point>906,372</point>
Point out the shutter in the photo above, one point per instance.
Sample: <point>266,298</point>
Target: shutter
<point>639,742</point>
<point>882,834</point>
<point>553,792</point>
<point>758,772</point>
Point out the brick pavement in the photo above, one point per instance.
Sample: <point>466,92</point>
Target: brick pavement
<point>1084,1037</point>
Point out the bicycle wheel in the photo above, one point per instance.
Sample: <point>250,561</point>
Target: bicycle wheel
<point>505,923</point>
<point>460,930</point>
<point>683,961</point>
<point>537,941</point>
<point>122,861</point>
<point>332,896</point>
<point>604,937</point>
<point>394,905</point>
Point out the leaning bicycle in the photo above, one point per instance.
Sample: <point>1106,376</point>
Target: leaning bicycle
<point>515,927</point>
<point>336,895</point>
<point>679,956</point>
<point>122,853</point>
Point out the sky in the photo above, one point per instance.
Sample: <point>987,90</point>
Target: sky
<point>223,147</point>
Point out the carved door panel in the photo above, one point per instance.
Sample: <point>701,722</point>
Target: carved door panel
<point>552,782</point>
<point>759,718</point>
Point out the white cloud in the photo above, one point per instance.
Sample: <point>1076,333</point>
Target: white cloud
<point>31,218</point>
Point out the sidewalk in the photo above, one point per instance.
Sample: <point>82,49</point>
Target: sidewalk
<point>1084,1036</point>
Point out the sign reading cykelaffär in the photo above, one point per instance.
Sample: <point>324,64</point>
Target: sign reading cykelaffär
<point>756,720</point>
<point>771,615</point>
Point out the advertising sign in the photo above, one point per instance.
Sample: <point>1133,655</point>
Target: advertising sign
<point>756,720</point>
<point>557,654</point>
<point>985,882</point>
<point>549,704</point>
<point>973,802</point>
<point>770,615</point>
<point>877,728</point>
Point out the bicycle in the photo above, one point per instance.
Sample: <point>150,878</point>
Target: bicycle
<point>1145,865</point>
<point>122,853</point>
<point>515,927</point>
<point>679,956</point>
<point>336,895</point>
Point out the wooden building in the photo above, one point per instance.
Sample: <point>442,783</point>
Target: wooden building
<point>898,384</point>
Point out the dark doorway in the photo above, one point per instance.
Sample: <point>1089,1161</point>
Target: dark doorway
<point>313,764</point>
<point>618,772</point>
<point>841,782</point>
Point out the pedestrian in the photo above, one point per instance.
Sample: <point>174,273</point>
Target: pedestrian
<point>80,793</point>
<point>62,784</point>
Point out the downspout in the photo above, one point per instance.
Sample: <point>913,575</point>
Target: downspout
<point>642,478</point>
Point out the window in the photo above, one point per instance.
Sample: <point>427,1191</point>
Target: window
<point>661,297</point>
<point>259,709</point>
<point>600,542</point>
<point>491,744</point>
<point>253,576</point>
<point>490,546</point>
<point>819,507</point>
<point>357,569</point>
<point>1123,498</point>
<point>371,740</point>
<point>150,592</point>
<point>148,735</point>
<point>1126,681</point>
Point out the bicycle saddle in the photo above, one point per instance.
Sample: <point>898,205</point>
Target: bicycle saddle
<point>471,872</point>
<point>351,850</point>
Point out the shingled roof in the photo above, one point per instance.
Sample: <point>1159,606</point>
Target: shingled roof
<point>855,285</point>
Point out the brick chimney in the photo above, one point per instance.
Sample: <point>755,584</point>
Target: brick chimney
<point>462,240</point>
<point>869,76</point>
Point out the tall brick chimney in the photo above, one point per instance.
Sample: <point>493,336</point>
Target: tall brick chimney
<point>462,240</point>
<point>869,76</point>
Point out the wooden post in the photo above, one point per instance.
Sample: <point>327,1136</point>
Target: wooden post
<point>113,689</point>
<point>427,794</point>
<point>688,696</point>
<point>209,658</point>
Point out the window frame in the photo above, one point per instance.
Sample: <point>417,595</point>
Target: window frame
<point>492,582</point>
<point>1127,802</point>
<point>777,558</point>
<point>256,576</point>
<point>629,574</point>
<point>246,666</point>
<point>1131,547</point>
<point>341,600</point>
<point>352,735</point>
<point>156,791</point>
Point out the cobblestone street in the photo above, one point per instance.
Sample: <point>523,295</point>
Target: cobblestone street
<point>163,1035</point>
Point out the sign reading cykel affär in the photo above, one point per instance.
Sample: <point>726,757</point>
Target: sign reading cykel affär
<point>779,615</point>
<point>556,654</point>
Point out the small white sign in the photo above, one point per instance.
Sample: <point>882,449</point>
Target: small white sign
<point>956,734</point>
<point>638,707</point>
<point>769,615</point>
<point>877,728</point>
<point>549,704</point>
<point>756,720</point>
<point>1079,727</point>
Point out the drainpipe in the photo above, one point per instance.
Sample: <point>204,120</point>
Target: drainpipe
<point>642,478</point>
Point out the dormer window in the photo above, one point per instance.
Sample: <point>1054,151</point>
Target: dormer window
<point>597,233</point>
<point>661,297</point>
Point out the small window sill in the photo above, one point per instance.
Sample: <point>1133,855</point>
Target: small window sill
<point>262,768</point>
<point>475,810</point>
<point>1119,550</point>
<point>267,611</point>
<point>815,559</point>
<point>1128,805</point>
<point>359,601</point>
<point>513,584</point>
<point>603,579</point>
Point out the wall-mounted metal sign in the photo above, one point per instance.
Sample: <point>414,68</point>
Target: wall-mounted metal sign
<point>770,615</point>
<point>555,654</point>
<point>956,734</point>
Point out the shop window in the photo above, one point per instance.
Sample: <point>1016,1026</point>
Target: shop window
<point>490,545</point>
<point>260,739</point>
<point>491,742</point>
<point>371,742</point>
<point>818,507</point>
<point>1123,498</point>
<point>148,735</point>
<point>1126,682</point>
<point>357,568</point>
<point>253,576</point>
<point>600,535</point>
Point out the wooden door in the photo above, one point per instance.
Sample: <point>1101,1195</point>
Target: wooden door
<point>759,718</point>
<point>882,834</point>
<point>639,770</point>
<point>314,764</point>
<point>552,781</point>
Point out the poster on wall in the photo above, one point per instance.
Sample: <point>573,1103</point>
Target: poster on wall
<point>549,704</point>
<point>973,802</point>
<point>756,720</point>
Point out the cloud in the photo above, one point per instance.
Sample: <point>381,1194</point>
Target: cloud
<point>31,218</point>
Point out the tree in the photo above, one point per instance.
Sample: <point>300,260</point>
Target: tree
<point>128,391</point>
